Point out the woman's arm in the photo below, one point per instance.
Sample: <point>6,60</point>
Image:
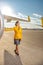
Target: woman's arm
<point>9,29</point>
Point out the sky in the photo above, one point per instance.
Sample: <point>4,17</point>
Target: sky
<point>27,7</point>
<point>23,8</point>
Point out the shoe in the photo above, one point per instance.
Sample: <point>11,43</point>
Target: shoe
<point>16,52</point>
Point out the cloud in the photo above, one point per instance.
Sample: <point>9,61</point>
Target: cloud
<point>33,18</point>
<point>36,21</point>
<point>37,15</point>
<point>19,15</point>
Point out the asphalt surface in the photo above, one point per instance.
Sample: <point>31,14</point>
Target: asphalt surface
<point>30,49</point>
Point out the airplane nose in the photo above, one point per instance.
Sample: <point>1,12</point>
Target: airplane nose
<point>1,25</point>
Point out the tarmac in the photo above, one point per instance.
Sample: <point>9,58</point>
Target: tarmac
<point>30,49</point>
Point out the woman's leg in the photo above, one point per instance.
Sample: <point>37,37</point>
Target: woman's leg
<point>17,49</point>
<point>17,42</point>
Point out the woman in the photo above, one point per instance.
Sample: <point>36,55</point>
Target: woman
<point>17,36</point>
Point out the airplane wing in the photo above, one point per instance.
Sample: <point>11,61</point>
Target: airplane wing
<point>9,18</point>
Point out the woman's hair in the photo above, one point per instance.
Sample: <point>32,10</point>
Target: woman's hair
<point>16,23</point>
